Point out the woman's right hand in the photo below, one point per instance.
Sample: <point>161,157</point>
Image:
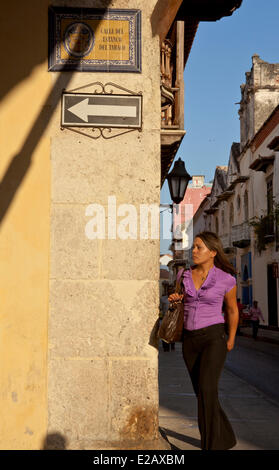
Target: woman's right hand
<point>175,297</point>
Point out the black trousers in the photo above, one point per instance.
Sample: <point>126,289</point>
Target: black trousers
<point>204,353</point>
<point>255,327</point>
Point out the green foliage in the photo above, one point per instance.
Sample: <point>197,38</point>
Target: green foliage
<point>265,227</point>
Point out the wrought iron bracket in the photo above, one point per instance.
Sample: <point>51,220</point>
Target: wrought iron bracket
<point>107,132</point>
<point>103,88</point>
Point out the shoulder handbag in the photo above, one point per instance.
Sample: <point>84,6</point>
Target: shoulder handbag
<point>171,328</point>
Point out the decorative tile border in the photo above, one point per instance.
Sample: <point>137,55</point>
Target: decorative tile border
<point>87,39</point>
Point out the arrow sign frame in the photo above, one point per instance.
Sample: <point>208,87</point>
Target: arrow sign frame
<point>101,110</point>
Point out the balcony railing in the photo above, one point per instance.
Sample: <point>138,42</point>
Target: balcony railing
<point>166,67</point>
<point>226,242</point>
<point>269,228</point>
<point>169,93</point>
<point>240,235</point>
<point>172,85</point>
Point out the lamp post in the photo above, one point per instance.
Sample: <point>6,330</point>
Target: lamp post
<point>178,180</point>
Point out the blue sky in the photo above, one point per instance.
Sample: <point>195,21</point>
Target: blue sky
<point>221,54</point>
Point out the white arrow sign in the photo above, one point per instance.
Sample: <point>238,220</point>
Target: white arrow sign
<point>101,110</point>
<point>83,109</point>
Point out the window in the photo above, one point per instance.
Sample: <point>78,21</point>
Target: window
<point>223,221</point>
<point>231,214</point>
<point>238,205</point>
<point>269,193</point>
<point>269,200</point>
<point>246,208</point>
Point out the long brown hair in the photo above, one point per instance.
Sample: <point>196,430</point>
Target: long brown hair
<point>213,243</point>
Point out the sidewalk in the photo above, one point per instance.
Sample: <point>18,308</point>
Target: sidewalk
<point>264,334</point>
<point>254,416</point>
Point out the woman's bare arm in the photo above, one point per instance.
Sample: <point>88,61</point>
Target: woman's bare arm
<point>232,316</point>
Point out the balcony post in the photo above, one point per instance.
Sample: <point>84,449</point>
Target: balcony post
<point>179,82</point>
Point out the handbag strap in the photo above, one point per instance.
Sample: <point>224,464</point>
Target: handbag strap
<point>178,286</point>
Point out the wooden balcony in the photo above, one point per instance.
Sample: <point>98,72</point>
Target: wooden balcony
<point>170,117</point>
<point>177,39</point>
<point>175,49</point>
<point>240,235</point>
<point>226,240</point>
<point>269,228</point>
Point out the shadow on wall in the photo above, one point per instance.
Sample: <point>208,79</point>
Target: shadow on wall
<point>55,441</point>
<point>35,20</point>
<point>153,338</point>
<point>21,52</point>
<point>163,13</point>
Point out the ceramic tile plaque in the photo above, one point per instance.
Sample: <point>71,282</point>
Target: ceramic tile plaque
<point>85,40</point>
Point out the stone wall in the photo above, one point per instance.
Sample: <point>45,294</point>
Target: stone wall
<point>102,372</point>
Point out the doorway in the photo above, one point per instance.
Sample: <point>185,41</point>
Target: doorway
<point>272,297</point>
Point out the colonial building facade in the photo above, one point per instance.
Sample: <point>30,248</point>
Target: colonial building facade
<point>243,206</point>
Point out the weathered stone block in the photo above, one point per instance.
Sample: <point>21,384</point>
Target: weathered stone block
<point>78,400</point>
<point>134,411</point>
<point>75,256</point>
<point>83,323</point>
<point>130,259</point>
<point>91,173</point>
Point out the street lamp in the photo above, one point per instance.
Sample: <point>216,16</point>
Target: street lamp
<point>178,180</point>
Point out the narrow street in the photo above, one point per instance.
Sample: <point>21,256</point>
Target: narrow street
<point>257,363</point>
<point>248,392</point>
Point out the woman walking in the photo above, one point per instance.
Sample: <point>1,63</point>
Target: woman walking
<point>208,284</point>
<point>256,315</point>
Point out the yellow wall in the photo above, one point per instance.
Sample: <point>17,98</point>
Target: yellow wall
<point>24,225</point>
<point>31,381</point>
